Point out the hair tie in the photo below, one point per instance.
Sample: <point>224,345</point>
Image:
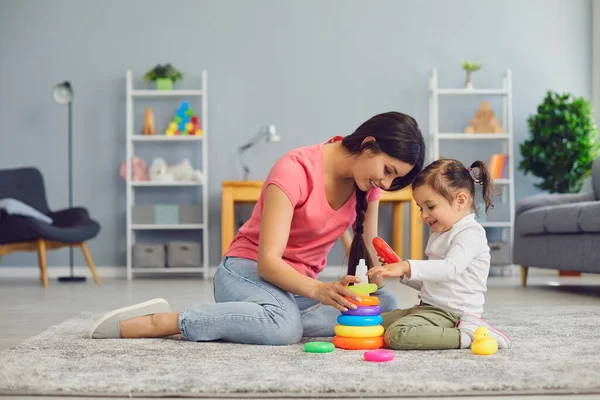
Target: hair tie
<point>473,172</point>
<point>359,230</point>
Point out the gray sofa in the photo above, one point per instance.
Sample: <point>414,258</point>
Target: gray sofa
<point>559,231</point>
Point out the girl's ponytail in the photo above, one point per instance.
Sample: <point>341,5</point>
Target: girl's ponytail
<point>481,175</point>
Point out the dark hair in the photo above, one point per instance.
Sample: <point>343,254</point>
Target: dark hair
<point>397,135</point>
<point>446,176</point>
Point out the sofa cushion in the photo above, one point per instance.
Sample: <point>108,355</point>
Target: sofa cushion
<point>552,199</point>
<point>564,218</point>
<point>589,219</point>
<point>531,222</point>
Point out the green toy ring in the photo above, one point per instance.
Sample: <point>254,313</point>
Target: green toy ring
<point>318,347</point>
<point>364,288</point>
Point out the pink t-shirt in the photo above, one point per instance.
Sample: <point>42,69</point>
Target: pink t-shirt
<point>315,225</point>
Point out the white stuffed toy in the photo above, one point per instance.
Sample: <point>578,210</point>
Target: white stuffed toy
<point>159,171</point>
<point>184,171</point>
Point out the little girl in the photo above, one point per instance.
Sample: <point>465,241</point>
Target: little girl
<point>452,282</point>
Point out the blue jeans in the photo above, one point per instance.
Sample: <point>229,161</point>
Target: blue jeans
<point>251,310</point>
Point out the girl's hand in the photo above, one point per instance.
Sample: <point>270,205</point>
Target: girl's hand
<point>395,270</point>
<point>332,294</point>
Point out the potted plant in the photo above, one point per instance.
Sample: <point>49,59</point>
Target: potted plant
<point>164,76</point>
<point>470,67</point>
<point>563,143</point>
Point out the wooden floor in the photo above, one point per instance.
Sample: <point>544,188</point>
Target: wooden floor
<point>26,308</point>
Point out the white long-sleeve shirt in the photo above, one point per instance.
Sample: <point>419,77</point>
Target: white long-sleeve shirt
<point>455,274</point>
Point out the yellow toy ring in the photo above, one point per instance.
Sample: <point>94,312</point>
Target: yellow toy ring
<point>364,288</point>
<point>358,331</point>
<point>347,343</point>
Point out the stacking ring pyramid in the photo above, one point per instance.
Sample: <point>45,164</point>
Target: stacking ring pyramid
<point>360,329</point>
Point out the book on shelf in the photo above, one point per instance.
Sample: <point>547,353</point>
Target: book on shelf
<point>498,166</point>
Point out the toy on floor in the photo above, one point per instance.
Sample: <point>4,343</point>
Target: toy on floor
<point>379,355</point>
<point>318,347</point>
<point>360,329</point>
<point>185,122</point>
<point>483,344</point>
<point>385,251</point>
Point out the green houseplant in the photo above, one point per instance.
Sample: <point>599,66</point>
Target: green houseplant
<point>563,143</point>
<point>164,76</point>
<point>470,67</point>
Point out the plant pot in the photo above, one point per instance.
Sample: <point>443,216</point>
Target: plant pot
<point>164,84</point>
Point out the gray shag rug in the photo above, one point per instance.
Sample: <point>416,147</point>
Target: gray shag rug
<point>556,350</point>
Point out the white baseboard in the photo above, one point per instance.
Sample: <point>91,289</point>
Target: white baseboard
<point>112,272</point>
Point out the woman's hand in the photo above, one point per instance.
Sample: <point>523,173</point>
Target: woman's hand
<point>332,294</point>
<point>395,270</point>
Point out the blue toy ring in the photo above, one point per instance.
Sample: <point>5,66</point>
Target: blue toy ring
<point>368,320</point>
<point>364,311</point>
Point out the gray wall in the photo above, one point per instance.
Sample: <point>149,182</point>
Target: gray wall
<point>314,68</point>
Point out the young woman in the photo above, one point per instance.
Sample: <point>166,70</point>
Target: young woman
<point>266,288</point>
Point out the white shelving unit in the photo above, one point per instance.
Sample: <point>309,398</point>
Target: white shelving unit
<point>504,139</point>
<point>131,186</point>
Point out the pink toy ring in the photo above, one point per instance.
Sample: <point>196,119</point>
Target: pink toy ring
<point>379,355</point>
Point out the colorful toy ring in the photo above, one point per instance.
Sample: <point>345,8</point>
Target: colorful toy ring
<point>364,311</point>
<point>358,331</point>
<point>318,347</point>
<point>351,320</point>
<point>379,355</point>
<point>365,288</point>
<point>365,300</point>
<point>349,343</point>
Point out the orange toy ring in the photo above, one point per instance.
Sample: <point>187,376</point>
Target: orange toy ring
<point>366,300</point>
<point>349,343</point>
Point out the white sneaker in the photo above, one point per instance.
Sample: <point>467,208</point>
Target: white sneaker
<point>468,323</point>
<point>109,326</point>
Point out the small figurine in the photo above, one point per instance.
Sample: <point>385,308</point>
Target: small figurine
<point>148,127</point>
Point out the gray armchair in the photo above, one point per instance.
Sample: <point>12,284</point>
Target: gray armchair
<point>559,231</point>
<point>68,227</point>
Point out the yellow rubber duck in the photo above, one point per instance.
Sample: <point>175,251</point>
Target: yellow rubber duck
<point>483,345</point>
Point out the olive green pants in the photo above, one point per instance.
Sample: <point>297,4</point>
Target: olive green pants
<point>422,327</point>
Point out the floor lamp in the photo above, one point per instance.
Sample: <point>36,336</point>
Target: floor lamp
<point>63,94</point>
